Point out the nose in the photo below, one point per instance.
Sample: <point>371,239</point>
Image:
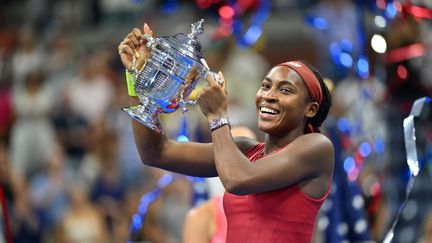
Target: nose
<point>270,95</point>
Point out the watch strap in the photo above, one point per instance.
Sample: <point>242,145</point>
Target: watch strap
<point>218,122</point>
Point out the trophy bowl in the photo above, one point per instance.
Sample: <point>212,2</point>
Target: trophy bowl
<point>161,84</point>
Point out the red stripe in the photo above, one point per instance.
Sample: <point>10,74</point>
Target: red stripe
<point>419,12</point>
<point>405,53</point>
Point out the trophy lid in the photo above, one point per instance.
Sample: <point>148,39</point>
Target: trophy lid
<point>196,29</point>
<point>187,44</point>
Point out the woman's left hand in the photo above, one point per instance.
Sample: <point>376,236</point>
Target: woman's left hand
<point>212,99</point>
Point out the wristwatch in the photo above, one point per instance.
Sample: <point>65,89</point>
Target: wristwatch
<point>218,122</point>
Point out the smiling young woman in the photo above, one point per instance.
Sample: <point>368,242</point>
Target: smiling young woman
<point>273,189</point>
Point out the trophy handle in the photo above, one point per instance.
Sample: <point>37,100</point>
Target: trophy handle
<point>207,71</point>
<point>215,76</point>
<point>150,40</point>
<point>184,103</point>
<point>150,44</point>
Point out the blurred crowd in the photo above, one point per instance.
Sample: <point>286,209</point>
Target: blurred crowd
<point>69,169</point>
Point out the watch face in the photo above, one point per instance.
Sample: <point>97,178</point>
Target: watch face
<point>215,122</point>
<point>218,122</point>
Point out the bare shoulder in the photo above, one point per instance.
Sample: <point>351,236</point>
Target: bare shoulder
<point>200,217</point>
<point>317,154</point>
<point>202,211</point>
<point>314,147</point>
<point>314,141</point>
<point>245,143</point>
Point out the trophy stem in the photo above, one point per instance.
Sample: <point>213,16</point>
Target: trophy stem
<point>147,114</point>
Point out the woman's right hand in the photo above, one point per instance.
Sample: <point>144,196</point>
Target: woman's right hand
<point>135,45</point>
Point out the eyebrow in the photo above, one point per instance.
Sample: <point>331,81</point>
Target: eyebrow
<point>282,81</point>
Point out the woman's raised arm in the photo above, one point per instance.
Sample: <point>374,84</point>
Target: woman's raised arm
<point>187,158</point>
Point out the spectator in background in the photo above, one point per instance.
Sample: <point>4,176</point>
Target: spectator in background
<point>25,222</point>
<point>83,222</point>
<point>27,58</point>
<point>7,37</point>
<point>60,61</point>
<point>49,190</point>
<point>166,216</point>
<point>6,194</point>
<point>32,136</point>
<point>338,34</point>
<point>405,85</point>
<point>360,102</point>
<point>90,93</point>
<point>108,189</point>
<point>206,223</point>
<point>72,130</point>
<point>427,229</point>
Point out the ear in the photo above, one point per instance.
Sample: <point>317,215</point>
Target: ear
<point>311,109</point>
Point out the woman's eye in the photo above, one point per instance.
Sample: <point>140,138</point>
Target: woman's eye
<point>285,90</point>
<point>265,86</point>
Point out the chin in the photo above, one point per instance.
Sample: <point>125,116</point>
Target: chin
<point>266,129</point>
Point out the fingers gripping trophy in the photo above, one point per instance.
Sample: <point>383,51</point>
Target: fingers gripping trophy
<point>162,72</point>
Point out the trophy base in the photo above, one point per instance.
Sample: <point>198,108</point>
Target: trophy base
<point>138,113</point>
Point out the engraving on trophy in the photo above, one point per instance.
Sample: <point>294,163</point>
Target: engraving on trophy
<point>161,84</point>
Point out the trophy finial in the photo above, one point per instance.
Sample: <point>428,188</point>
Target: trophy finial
<point>196,29</point>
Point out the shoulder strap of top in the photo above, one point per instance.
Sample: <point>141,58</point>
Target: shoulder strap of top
<point>255,152</point>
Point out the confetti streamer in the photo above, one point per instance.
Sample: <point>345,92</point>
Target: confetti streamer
<point>412,160</point>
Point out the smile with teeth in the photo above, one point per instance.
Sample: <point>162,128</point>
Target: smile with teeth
<point>269,111</point>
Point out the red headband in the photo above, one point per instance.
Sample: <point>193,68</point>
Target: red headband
<point>309,79</point>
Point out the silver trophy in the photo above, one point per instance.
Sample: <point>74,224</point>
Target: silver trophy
<point>160,85</point>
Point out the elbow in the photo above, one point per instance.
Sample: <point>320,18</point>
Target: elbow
<point>235,187</point>
<point>147,162</point>
<point>151,149</point>
<point>237,181</point>
<point>151,155</point>
<point>148,159</point>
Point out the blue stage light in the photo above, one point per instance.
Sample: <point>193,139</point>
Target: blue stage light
<point>379,146</point>
<point>390,10</point>
<point>343,125</point>
<point>365,149</point>
<point>349,164</point>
